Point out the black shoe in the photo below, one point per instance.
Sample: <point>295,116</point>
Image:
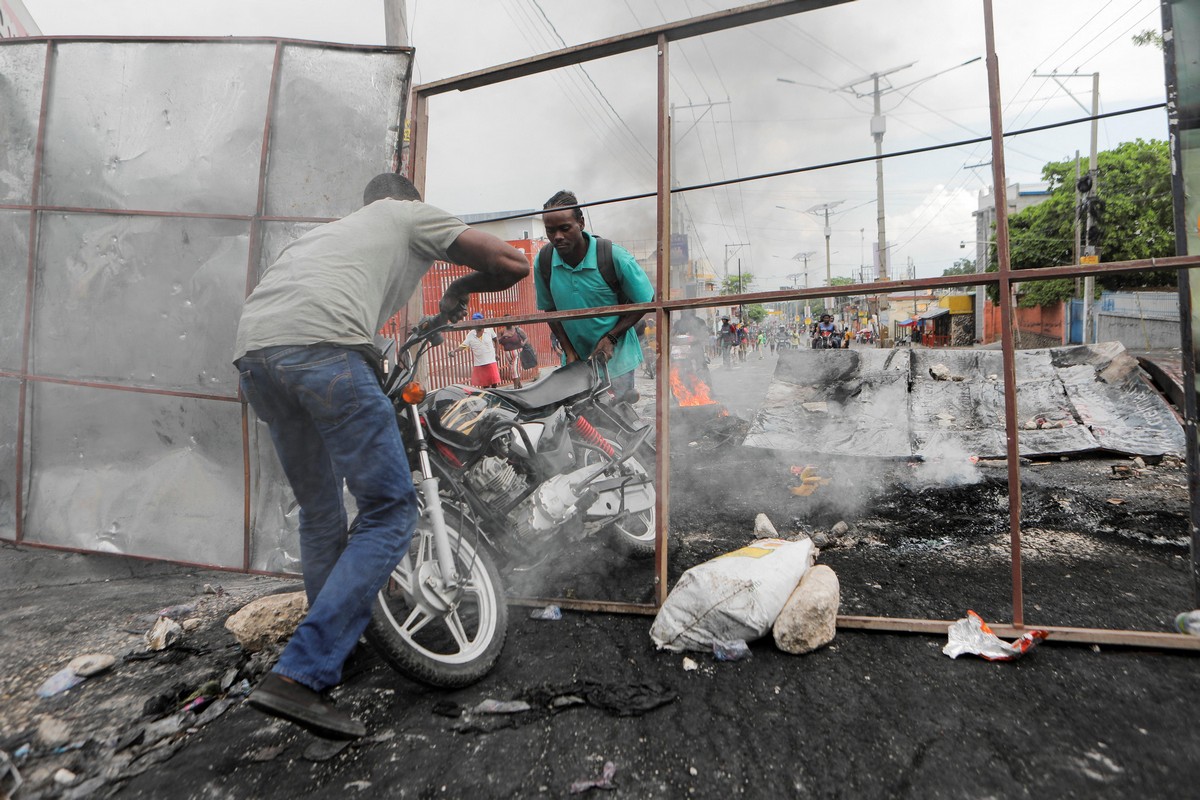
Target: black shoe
<point>301,705</point>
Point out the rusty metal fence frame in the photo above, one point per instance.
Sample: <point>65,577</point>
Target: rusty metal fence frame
<point>660,37</point>
<point>36,208</point>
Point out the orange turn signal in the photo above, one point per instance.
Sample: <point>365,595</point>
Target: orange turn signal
<point>413,393</point>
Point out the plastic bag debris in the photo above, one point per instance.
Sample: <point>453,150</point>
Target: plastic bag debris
<point>549,613</point>
<point>181,611</point>
<point>165,633</point>
<point>59,682</point>
<point>972,636</point>
<point>605,781</point>
<point>810,481</point>
<point>731,651</point>
<point>501,707</point>
<point>91,664</point>
<point>1188,622</point>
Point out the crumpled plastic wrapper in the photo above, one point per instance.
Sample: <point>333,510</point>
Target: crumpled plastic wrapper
<point>165,633</point>
<point>972,636</point>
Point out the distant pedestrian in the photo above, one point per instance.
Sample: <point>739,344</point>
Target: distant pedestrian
<point>481,343</point>
<point>511,340</point>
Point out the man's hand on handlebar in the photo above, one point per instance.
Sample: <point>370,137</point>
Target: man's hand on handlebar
<point>452,307</point>
<point>604,349</point>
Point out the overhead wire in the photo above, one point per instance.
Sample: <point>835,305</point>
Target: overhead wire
<point>563,78</point>
<point>599,92</point>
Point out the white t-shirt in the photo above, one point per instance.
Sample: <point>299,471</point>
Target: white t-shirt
<point>340,282</point>
<point>483,348</point>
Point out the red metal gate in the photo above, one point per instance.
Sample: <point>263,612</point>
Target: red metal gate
<point>448,364</point>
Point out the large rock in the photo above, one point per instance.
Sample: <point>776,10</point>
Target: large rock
<point>809,618</point>
<point>763,528</point>
<point>267,620</point>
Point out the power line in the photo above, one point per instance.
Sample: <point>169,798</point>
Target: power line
<point>859,160</point>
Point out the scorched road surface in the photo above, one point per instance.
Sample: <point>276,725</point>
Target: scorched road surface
<point>873,715</point>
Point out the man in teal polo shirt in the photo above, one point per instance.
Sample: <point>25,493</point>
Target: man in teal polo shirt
<point>576,282</point>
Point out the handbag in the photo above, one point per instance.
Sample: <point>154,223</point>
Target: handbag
<point>529,358</point>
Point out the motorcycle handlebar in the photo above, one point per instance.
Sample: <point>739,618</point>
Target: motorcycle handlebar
<point>428,326</point>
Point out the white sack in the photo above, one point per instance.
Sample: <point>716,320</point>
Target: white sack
<point>734,596</point>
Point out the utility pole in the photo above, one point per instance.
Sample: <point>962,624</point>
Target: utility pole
<point>878,128</point>
<point>805,256</point>
<point>395,25</point>
<point>819,210</point>
<point>726,267</point>
<point>1089,186</point>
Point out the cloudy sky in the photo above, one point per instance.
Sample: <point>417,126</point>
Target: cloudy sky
<point>592,129</point>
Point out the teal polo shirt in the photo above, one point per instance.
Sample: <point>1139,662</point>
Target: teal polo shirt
<point>583,286</point>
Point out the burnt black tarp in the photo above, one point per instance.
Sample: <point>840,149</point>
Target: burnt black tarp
<point>903,403</point>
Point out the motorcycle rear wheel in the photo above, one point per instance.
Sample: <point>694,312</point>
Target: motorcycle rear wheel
<point>635,534</point>
<point>444,639</point>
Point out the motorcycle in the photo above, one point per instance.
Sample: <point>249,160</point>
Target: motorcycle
<point>502,474</point>
<point>825,340</point>
<point>688,356</point>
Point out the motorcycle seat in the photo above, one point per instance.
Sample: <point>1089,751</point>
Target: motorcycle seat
<point>573,380</point>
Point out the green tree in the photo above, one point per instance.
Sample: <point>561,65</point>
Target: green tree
<point>1148,37</point>
<point>1137,222</point>
<point>964,266</point>
<point>737,284</point>
<point>840,281</point>
<point>756,313</point>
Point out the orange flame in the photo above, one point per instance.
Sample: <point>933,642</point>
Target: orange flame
<point>696,394</point>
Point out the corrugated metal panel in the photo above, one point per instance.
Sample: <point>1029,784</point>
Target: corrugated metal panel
<point>1148,305</point>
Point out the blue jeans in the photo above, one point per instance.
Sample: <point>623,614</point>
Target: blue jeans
<point>330,421</point>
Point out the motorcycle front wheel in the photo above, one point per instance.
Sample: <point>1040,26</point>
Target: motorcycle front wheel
<point>447,638</point>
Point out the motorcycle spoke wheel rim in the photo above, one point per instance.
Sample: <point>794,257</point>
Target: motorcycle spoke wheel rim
<point>458,635</point>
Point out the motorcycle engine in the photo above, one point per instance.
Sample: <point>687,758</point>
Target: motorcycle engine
<point>496,481</point>
<point>541,515</point>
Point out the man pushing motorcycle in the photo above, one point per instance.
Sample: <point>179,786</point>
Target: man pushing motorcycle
<point>308,367</point>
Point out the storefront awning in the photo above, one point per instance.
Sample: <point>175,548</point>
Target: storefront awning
<point>935,312</point>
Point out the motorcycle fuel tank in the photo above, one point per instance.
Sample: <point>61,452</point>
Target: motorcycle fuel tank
<point>464,417</point>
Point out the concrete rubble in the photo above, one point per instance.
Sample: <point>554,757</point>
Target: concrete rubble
<point>267,620</point>
<point>809,618</point>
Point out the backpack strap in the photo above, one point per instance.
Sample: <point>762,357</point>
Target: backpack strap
<point>608,268</point>
<point>544,257</point>
<point>604,263</point>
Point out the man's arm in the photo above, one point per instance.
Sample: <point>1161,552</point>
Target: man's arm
<point>564,341</point>
<point>637,288</point>
<point>605,346</point>
<point>497,264</point>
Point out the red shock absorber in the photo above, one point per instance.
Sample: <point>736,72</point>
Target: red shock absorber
<point>592,435</point>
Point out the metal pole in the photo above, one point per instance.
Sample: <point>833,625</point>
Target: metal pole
<point>1006,318</point>
<point>1089,282</point>
<point>662,416</point>
<point>878,126</point>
